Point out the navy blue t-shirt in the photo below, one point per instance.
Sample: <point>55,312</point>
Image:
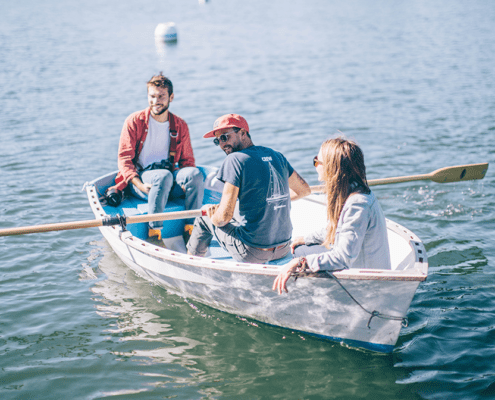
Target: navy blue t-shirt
<point>262,176</point>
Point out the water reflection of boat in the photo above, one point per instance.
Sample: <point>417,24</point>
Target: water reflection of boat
<point>317,305</point>
<point>127,299</point>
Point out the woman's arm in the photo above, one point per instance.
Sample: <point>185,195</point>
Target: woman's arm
<point>316,237</point>
<point>351,230</point>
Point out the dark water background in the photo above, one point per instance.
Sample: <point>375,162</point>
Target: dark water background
<point>412,81</point>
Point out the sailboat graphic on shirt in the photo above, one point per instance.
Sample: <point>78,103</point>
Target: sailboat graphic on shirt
<point>276,191</point>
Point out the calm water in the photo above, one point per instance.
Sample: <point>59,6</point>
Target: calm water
<point>412,81</point>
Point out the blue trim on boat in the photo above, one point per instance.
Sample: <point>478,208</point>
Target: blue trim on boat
<point>380,348</point>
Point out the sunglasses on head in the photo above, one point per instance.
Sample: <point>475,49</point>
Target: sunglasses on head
<point>316,161</point>
<point>222,138</point>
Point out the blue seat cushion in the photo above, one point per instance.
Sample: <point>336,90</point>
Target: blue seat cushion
<point>134,206</point>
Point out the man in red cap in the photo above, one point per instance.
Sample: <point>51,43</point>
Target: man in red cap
<point>264,183</point>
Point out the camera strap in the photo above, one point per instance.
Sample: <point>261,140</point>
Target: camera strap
<point>173,139</point>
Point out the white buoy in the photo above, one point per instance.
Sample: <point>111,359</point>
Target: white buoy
<point>166,32</point>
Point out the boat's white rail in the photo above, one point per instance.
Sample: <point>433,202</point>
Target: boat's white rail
<point>418,272</point>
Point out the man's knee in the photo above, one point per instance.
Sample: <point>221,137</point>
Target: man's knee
<point>196,176</point>
<point>200,237</point>
<point>162,179</point>
<point>202,226</point>
<point>191,177</point>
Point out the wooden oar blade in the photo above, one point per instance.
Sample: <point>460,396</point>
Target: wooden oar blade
<point>459,173</point>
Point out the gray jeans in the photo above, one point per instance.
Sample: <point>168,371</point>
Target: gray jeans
<point>227,237</point>
<point>305,250</point>
<point>186,181</point>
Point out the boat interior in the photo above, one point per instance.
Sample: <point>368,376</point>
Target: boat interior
<point>307,215</point>
<point>171,230</point>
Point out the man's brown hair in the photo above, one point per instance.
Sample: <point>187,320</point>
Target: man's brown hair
<point>162,82</point>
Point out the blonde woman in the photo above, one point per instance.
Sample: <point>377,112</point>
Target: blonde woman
<point>356,234</point>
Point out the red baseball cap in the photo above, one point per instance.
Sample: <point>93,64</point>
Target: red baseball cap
<point>227,121</point>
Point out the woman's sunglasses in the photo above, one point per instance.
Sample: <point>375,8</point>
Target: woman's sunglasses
<point>222,138</point>
<point>316,161</point>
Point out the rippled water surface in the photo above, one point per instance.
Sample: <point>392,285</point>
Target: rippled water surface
<point>412,81</point>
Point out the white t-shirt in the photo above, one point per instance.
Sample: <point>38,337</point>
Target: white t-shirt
<point>157,143</point>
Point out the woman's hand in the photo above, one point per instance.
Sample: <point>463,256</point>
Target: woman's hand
<point>281,280</point>
<point>298,241</point>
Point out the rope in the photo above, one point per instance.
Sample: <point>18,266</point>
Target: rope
<point>404,321</point>
<point>122,222</point>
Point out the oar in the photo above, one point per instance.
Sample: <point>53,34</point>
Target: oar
<point>107,221</point>
<point>443,175</point>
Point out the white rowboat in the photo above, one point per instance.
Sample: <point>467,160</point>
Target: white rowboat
<point>361,308</point>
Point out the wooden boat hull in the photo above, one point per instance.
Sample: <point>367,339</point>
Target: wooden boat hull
<point>315,305</point>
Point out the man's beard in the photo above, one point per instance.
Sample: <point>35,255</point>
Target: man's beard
<point>165,108</point>
<point>233,149</point>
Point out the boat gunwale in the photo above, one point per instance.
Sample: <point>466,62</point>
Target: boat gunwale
<point>417,273</point>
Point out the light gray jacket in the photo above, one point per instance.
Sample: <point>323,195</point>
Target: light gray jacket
<point>360,240</point>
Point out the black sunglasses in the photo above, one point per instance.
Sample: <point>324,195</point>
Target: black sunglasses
<point>316,161</point>
<point>222,138</point>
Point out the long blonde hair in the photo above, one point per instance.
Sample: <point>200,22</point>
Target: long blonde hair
<point>343,164</point>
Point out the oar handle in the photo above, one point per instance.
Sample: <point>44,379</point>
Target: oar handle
<point>165,216</point>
